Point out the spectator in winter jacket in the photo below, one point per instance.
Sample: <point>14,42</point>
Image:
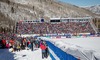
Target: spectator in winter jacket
<point>0,42</point>
<point>28,42</point>
<point>43,48</point>
<point>3,43</point>
<point>18,47</point>
<point>23,43</point>
<point>32,47</point>
<point>12,42</point>
<point>46,51</point>
<point>7,45</point>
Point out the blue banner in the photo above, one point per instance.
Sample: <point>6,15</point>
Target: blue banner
<point>61,54</point>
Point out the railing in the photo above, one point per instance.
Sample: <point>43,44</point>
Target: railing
<point>93,26</point>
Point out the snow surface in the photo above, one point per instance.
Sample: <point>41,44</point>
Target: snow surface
<point>86,43</point>
<point>22,55</point>
<point>87,48</point>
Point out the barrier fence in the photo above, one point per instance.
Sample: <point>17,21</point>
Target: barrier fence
<point>61,54</point>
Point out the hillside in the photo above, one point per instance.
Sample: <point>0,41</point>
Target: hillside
<point>35,9</point>
<point>94,9</point>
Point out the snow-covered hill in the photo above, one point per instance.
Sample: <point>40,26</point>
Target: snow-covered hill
<point>94,9</point>
<point>35,9</point>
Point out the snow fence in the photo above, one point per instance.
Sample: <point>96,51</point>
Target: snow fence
<point>70,52</point>
<point>61,54</point>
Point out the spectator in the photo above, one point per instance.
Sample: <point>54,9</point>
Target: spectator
<point>3,43</point>
<point>43,48</point>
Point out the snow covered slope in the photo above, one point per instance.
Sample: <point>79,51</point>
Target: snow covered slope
<point>84,48</point>
<point>94,9</point>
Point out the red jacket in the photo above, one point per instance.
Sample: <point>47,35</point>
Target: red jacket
<point>12,42</point>
<point>43,47</point>
<point>7,45</point>
<point>4,42</point>
<point>28,42</point>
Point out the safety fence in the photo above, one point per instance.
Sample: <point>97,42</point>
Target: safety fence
<point>61,54</point>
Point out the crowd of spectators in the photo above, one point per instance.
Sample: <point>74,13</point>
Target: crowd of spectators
<point>53,28</point>
<point>11,41</point>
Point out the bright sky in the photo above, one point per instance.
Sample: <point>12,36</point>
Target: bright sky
<point>83,2</point>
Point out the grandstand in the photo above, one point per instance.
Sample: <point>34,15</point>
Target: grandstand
<point>56,26</point>
<point>56,32</point>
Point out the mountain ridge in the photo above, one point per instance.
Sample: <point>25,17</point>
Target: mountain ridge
<point>95,9</point>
